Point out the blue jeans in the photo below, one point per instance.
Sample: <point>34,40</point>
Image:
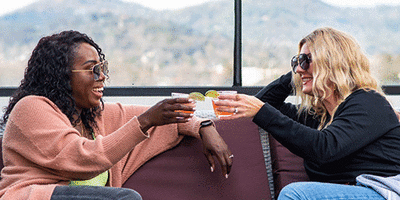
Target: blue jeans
<point>94,193</point>
<point>317,190</point>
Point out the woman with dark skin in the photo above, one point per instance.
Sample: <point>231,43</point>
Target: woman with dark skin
<point>61,141</point>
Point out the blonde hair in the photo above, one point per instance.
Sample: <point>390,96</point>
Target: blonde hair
<point>339,64</point>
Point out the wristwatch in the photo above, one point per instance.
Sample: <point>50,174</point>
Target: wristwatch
<point>205,123</point>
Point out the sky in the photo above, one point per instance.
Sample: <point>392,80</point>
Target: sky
<point>9,6</point>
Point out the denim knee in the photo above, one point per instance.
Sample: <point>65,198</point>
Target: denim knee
<point>293,191</point>
<point>94,192</point>
<point>318,190</point>
<point>128,194</point>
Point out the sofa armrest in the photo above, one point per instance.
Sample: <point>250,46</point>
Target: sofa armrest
<point>264,137</point>
<point>184,173</point>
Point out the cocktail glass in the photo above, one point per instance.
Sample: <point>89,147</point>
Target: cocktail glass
<point>219,114</point>
<point>182,95</point>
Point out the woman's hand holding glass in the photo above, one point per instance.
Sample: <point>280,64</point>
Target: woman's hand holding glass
<point>164,113</point>
<point>241,105</point>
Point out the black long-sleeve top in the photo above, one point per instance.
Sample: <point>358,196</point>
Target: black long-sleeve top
<point>364,136</point>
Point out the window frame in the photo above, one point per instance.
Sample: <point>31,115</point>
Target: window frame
<point>166,91</point>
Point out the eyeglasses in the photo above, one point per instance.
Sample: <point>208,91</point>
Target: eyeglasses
<point>96,69</point>
<point>303,60</point>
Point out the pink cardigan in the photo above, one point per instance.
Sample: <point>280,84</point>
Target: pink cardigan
<point>41,149</point>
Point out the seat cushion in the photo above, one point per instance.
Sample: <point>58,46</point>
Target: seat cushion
<point>184,173</point>
<point>286,166</point>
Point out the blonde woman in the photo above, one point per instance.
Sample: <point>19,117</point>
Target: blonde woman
<point>344,126</point>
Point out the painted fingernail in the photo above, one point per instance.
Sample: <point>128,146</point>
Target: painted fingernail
<point>212,169</point>
<point>226,175</point>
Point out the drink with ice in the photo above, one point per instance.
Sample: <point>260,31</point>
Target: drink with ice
<point>194,95</point>
<point>215,94</point>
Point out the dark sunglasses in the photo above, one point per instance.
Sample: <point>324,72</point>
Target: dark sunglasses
<point>303,60</point>
<point>96,69</point>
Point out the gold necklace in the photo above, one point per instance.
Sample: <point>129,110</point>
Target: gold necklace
<point>82,129</point>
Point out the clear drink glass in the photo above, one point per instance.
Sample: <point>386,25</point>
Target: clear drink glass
<point>182,95</point>
<point>219,114</point>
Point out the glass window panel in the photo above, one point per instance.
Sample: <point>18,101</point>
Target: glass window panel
<point>272,30</point>
<point>191,46</point>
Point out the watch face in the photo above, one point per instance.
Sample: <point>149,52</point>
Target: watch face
<point>206,123</point>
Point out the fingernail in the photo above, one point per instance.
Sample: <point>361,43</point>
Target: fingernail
<point>226,175</point>
<point>212,169</point>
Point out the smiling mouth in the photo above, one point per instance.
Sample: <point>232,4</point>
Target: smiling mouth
<point>99,89</point>
<point>305,80</point>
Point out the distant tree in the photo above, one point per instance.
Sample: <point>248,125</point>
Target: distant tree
<point>389,69</point>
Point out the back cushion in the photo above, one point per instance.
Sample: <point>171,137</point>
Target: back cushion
<point>184,173</point>
<point>286,166</point>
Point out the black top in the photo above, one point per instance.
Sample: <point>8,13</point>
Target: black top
<point>364,136</point>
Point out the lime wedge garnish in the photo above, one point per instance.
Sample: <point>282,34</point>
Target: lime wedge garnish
<point>212,93</point>
<point>197,96</point>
